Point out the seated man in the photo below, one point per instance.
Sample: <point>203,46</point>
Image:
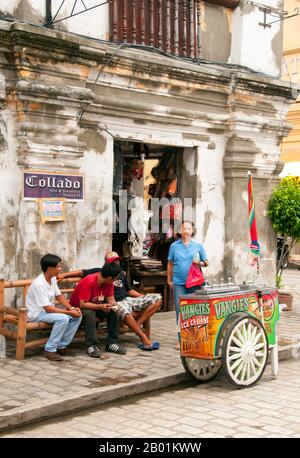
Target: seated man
<point>129,301</point>
<point>94,294</point>
<point>41,307</point>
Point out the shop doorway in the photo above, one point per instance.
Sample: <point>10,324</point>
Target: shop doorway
<point>147,173</point>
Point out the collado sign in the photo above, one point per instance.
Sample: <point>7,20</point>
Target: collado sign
<point>39,185</point>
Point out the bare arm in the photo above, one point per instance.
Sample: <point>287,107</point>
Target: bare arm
<point>72,311</point>
<point>170,273</point>
<point>134,293</point>
<point>111,301</point>
<point>203,263</point>
<point>90,305</point>
<point>104,307</point>
<point>63,301</point>
<point>73,273</point>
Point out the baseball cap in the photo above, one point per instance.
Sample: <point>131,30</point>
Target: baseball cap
<point>111,256</point>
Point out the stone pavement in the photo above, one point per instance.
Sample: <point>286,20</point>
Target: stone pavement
<point>270,409</point>
<point>35,389</point>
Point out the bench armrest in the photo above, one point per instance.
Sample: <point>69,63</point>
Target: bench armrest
<point>11,310</point>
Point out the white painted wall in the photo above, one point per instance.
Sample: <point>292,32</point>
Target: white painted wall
<point>211,201</point>
<point>93,23</point>
<point>9,195</point>
<point>9,6</point>
<point>94,219</point>
<point>252,43</point>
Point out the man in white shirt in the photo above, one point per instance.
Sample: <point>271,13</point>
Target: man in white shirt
<point>40,302</point>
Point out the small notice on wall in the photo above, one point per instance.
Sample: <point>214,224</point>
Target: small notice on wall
<point>52,209</point>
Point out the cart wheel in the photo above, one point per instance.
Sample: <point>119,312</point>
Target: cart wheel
<point>202,369</point>
<point>245,351</point>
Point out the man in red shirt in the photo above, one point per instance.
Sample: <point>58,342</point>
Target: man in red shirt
<point>94,295</point>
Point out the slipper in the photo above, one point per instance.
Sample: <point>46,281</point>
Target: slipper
<point>154,346</point>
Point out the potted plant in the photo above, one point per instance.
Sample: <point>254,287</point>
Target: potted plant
<point>284,212</point>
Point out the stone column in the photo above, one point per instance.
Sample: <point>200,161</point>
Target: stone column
<point>255,128</point>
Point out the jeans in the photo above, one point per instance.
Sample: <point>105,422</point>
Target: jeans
<point>89,322</point>
<point>181,290</point>
<point>63,331</point>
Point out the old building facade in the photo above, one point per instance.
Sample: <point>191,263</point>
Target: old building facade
<point>70,92</point>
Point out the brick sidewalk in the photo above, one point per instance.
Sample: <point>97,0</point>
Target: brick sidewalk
<point>36,388</point>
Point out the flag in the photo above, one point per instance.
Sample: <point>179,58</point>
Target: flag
<point>254,245</point>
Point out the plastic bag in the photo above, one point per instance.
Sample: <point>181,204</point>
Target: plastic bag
<point>195,276</point>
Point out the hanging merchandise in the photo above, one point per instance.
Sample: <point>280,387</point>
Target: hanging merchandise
<point>172,210</point>
<point>138,168</point>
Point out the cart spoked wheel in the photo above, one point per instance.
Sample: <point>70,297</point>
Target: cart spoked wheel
<point>202,369</point>
<point>245,351</point>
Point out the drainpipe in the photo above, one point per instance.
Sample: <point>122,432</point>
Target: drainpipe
<point>48,22</point>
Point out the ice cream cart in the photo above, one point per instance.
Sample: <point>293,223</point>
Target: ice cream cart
<point>229,326</point>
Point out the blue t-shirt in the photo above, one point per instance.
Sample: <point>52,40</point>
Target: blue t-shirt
<point>181,256</point>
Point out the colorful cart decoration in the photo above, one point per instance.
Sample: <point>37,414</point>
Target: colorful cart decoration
<point>229,326</point>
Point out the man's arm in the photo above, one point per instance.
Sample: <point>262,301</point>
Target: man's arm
<point>72,311</point>
<point>134,293</point>
<point>63,301</point>
<point>111,301</point>
<point>130,291</point>
<point>92,306</point>
<point>73,273</point>
<point>78,273</point>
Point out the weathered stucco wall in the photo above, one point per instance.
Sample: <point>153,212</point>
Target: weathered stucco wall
<point>227,35</point>
<point>211,218</point>
<point>94,217</point>
<point>9,190</point>
<point>67,98</point>
<point>33,11</point>
<point>253,45</point>
<point>93,23</point>
<point>215,32</point>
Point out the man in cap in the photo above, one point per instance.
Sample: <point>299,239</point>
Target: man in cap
<point>129,301</point>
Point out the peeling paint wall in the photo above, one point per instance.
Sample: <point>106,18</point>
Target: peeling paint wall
<point>237,252</point>
<point>226,35</point>
<point>211,210</point>
<point>94,218</point>
<point>62,106</point>
<point>253,45</point>
<point>9,190</point>
<point>33,11</point>
<point>215,32</point>
<point>94,23</point>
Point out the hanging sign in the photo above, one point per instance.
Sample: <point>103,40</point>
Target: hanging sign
<point>39,185</point>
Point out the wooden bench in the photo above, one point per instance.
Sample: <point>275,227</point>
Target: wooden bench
<point>23,330</point>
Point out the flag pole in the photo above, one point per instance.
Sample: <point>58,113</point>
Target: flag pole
<point>254,246</point>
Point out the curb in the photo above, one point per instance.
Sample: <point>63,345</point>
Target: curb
<point>289,352</point>
<point>91,398</point>
<point>100,396</point>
